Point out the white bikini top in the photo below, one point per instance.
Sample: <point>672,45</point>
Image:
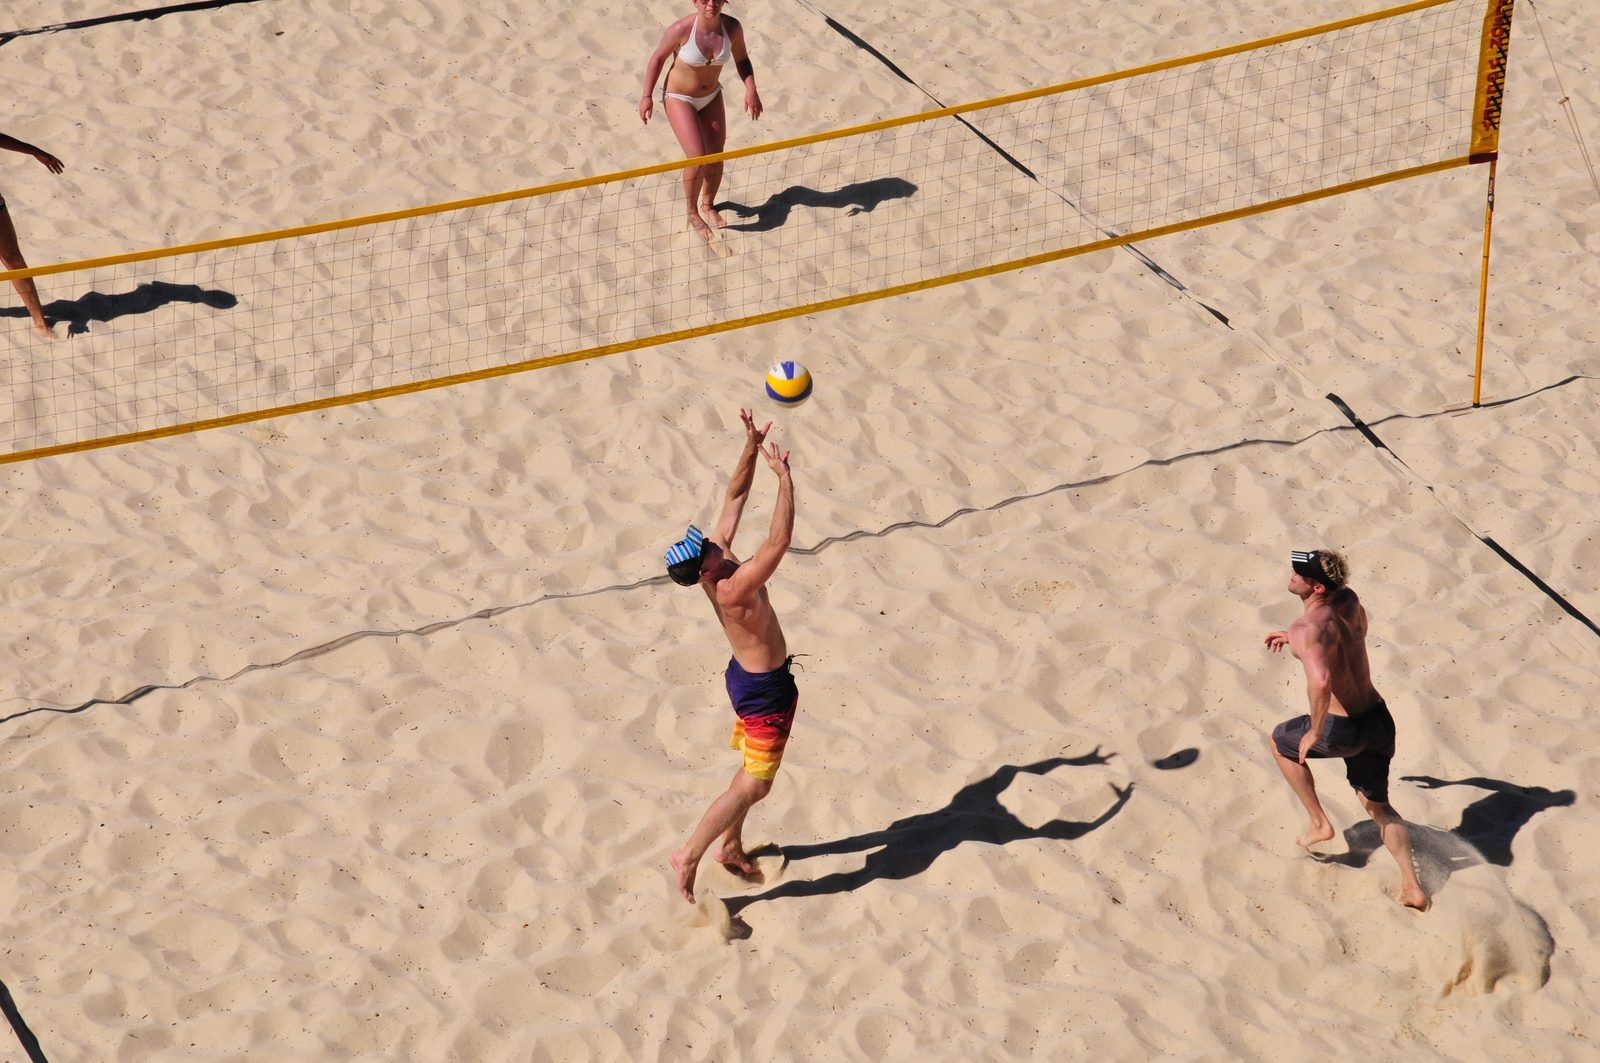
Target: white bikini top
<point>691,55</point>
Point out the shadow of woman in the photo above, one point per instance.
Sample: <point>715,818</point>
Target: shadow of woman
<point>909,846</point>
<point>861,197</point>
<point>148,297</point>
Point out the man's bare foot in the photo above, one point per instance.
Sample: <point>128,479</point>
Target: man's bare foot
<point>702,230</point>
<point>1314,834</point>
<point>43,329</point>
<point>735,859</point>
<point>1413,897</point>
<point>712,215</point>
<point>684,875</point>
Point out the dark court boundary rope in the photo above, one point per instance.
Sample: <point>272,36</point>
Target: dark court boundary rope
<point>7,37</point>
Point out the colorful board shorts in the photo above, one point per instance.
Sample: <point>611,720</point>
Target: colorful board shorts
<point>765,702</point>
<point>1365,743</point>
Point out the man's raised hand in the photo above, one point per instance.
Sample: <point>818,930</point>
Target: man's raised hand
<point>753,435</point>
<point>777,460</point>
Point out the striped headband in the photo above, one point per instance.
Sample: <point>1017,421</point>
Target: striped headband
<point>688,548</point>
<point>1309,567</point>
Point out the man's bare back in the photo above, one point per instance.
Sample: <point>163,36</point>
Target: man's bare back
<point>1338,624</point>
<point>1348,719</point>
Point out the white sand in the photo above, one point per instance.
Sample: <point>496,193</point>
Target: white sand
<point>309,805</point>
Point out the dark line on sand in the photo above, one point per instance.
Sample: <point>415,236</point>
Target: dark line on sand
<point>490,612</point>
<point>894,68</point>
<point>1504,554</point>
<point>30,1043</point>
<point>1158,270</point>
<point>1555,595</point>
<point>856,40</point>
<point>126,16</point>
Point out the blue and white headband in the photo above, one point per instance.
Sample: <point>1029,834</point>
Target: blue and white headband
<point>689,548</point>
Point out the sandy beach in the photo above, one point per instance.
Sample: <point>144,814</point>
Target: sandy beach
<point>366,734</point>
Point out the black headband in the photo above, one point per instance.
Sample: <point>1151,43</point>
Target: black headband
<point>1308,564</point>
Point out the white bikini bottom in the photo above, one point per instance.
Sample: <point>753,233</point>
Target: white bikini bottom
<point>697,102</point>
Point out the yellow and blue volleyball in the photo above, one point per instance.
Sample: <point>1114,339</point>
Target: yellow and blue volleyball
<point>788,383</point>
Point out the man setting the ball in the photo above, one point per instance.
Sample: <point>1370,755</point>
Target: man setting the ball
<point>758,678</point>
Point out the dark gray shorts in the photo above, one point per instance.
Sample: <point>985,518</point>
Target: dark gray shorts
<point>1365,743</point>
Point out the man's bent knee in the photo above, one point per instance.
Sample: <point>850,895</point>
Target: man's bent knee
<point>1381,811</point>
<point>753,788</point>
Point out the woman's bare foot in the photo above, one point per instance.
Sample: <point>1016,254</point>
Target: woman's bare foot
<point>1314,834</point>
<point>698,224</point>
<point>712,215</point>
<point>1413,897</point>
<point>684,875</point>
<point>736,860</point>
<point>43,328</point>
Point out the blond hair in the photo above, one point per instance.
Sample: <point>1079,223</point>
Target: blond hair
<point>1335,567</point>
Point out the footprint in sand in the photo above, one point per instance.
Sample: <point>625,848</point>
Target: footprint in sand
<point>710,911</point>
<point>1477,936</point>
<point>771,865</point>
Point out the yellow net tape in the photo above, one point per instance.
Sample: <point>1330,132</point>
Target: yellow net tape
<point>180,339</point>
<point>1491,80</point>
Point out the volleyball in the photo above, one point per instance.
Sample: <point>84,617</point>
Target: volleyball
<point>788,383</point>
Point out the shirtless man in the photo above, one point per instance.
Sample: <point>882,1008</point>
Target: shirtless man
<point>759,683</point>
<point>1348,719</point>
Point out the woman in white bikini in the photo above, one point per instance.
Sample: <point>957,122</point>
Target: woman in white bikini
<point>10,252</point>
<point>699,46</point>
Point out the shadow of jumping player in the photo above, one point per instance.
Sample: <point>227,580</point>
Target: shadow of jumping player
<point>1490,823</point>
<point>146,298</point>
<point>862,197</point>
<point>910,846</point>
<point>1482,837</point>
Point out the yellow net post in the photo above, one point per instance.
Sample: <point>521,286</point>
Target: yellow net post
<point>1483,289</point>
<point>1492,58</point>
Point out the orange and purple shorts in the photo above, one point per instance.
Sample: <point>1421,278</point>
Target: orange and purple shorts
<point>765,703</point>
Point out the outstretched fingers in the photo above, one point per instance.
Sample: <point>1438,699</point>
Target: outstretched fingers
<point>752,433</point>
<point>683,873</point>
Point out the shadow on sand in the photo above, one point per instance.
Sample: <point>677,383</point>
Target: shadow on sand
<point>1483,836</point>
<point>1491,937</point>
<point>148,14</point>
<point>861,198</point>
<point>1490,823</point>
<point>145,299</point>
<point>1496,936</point>
<point>909,846</point>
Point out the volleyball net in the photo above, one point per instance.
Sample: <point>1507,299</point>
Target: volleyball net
<point>180,339</point>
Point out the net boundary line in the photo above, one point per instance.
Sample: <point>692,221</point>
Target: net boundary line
<point>737,153</point>
<point>733,324</point>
